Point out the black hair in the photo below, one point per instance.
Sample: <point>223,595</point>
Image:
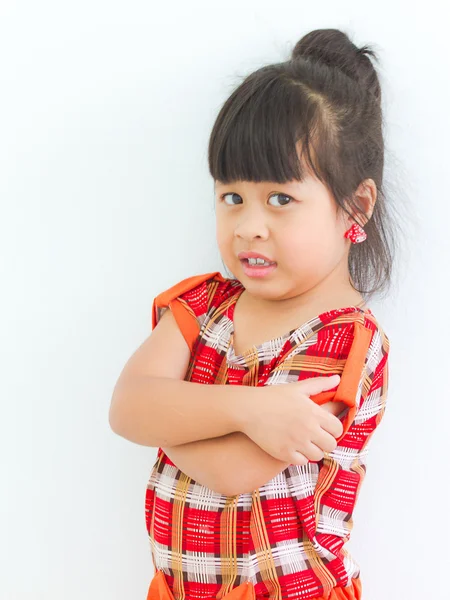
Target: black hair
<point>327,97</point>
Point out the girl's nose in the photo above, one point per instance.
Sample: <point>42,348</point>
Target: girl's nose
<point>252,226</point>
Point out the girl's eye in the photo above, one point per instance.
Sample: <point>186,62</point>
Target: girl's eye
<point>230,194</point>
<point>284,199</point>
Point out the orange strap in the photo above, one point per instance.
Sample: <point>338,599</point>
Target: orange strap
<point>159,590</point>
<point>186,320</point>
<point>350,376</point>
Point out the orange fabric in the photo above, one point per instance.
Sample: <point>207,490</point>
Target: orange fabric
<point>159,590</point>
<point>186,321</point>
<point>350,376</point>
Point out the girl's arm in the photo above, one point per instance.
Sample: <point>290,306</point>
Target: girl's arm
<point>161,411</point>
<point>231,464</point>
<point>152,405</point>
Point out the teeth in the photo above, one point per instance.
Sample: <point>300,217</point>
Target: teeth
<point>257,261</point>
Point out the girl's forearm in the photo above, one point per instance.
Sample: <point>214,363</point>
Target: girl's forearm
<point>158,411</point>
<point>230,465</point>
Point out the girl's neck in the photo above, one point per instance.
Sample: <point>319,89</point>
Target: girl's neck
<point>320,301</point>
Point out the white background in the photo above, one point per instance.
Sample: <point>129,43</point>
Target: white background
<point>106,200</point>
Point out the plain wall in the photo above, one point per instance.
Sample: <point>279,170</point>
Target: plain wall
<point>105,114</point>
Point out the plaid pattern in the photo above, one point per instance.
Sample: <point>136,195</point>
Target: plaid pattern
<point>288,536</point>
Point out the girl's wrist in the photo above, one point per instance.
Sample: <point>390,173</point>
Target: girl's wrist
<point>241,405</point>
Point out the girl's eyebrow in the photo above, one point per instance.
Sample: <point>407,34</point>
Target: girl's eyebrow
<point>266,183</point>
<point>287,184</point>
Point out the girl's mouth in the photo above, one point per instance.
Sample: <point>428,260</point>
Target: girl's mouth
<point>255,270</point>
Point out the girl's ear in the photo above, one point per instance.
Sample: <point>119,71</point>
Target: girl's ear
<point>365,198</point>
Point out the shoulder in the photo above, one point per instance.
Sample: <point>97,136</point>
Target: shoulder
<point>344,337</point>
<point>360,346</point>
<point>341,328</point>
<point>208,290</point>
<point>197,293</point>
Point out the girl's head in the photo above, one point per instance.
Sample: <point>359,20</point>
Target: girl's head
<point>297,156</point>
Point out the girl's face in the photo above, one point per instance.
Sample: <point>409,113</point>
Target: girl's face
<point>296,225</point>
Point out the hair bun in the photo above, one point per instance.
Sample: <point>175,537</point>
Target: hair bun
<point>334,48</point>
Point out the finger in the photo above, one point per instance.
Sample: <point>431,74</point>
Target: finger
<point>331,424</point>
<point>298,459</point>
<point>324,440</point>
<point>334,407</point>
<point>313,452</point>
<point>313,386</point>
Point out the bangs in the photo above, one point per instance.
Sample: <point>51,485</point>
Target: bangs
<point>265,132</point>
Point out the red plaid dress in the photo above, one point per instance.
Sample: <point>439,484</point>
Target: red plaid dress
<point>285,540</point>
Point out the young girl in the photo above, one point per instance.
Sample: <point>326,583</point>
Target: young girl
<point>253,493</point>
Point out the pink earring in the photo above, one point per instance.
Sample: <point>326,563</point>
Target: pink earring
<point>356,234</point>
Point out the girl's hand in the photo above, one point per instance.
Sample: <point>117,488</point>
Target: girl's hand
<point>286,423</point>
